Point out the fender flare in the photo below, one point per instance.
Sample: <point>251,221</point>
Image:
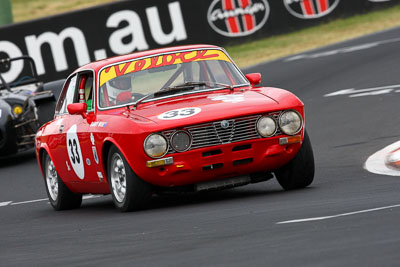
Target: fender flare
<point>45,149</point>
<point>115,143</point>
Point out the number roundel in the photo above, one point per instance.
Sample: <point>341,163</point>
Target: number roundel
<point>179,113</point>
<point>75,152</point>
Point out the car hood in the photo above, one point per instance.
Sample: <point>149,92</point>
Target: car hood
<point>199,108</point>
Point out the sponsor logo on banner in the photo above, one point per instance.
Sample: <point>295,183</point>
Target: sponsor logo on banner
<point>70,42</point>
<point>235,18</point>
<point>310,9</point>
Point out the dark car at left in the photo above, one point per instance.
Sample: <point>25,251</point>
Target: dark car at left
<point>25,104</point>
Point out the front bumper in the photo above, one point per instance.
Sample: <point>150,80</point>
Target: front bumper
<point>222,161</point>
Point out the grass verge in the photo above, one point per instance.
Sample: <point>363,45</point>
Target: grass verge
<point>31,9</point>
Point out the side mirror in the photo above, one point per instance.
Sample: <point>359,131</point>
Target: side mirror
<point>77,108</point>
<point>254,78</point>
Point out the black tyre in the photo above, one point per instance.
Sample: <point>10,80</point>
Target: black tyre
<point>60,197</point>
<point>299,172</point>
<point>128,191</point>
<point>8,137</point>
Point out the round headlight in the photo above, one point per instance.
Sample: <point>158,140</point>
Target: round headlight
<point>181,141</point>
<point>266,126</point>
<point>155,146</point>
<point>290,122</point>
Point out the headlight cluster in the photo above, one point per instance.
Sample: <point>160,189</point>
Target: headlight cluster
<point>266,126</point>
<point>290,123</point>
<point>181,141</point>
<point>156,145</point>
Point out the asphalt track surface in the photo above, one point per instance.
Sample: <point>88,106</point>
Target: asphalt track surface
<point>355,213</point>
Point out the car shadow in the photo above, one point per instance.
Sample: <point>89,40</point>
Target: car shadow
<point>167,201</point>
<point>160,203</point>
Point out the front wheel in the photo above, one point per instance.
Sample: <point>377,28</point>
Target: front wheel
<point>128,191</point>
<point>60,197</point>
<point>299,172</point>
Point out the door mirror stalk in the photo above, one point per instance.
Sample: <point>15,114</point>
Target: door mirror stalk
<point>78,109</point>
<point>254,78</point>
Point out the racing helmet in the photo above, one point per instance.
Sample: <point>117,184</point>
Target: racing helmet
<point>121,83</point>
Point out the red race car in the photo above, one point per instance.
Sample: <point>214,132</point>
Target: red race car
<point>173,119</point>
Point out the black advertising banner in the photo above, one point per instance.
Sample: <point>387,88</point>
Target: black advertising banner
<point>60,44</point>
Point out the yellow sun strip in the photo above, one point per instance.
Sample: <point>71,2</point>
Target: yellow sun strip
<point>159,61</point>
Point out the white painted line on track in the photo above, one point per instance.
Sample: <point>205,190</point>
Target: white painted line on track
<point>342,50</point>
<point>11,203</point>
<point>377,163</point>
<point>380,92</point>
<point>28,201</point>
<point>339,215</point>
<point>3,204</point>
<point>352,92</point>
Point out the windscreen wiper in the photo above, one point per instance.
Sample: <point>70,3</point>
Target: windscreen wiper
<point>135,105</point>
<point>224,85</point>
<point>191,85</point>
<point>179,88</point>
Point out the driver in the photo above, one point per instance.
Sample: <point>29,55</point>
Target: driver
<point>120,88</point>
<point>121,83</point>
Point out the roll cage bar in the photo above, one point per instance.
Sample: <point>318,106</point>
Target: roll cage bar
<point>6,62</point>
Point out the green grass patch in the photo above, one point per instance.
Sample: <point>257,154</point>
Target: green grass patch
<point>31,9</point>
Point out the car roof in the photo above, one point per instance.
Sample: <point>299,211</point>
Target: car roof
<point>112,60</point>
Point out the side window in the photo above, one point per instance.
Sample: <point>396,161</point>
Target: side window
<point>67,95</point>
<point>89,92</point>
<point>85,94</point>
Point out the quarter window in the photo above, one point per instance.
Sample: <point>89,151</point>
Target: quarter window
<point>67,95</point>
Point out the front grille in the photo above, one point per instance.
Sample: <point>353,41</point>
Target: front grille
<point>213,133</point>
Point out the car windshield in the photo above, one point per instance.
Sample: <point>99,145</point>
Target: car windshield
<point>167,75</point>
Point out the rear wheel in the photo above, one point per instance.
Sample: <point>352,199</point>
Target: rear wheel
<point>60,197</point>
<point>128,191</point>
<point>299,172</point>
